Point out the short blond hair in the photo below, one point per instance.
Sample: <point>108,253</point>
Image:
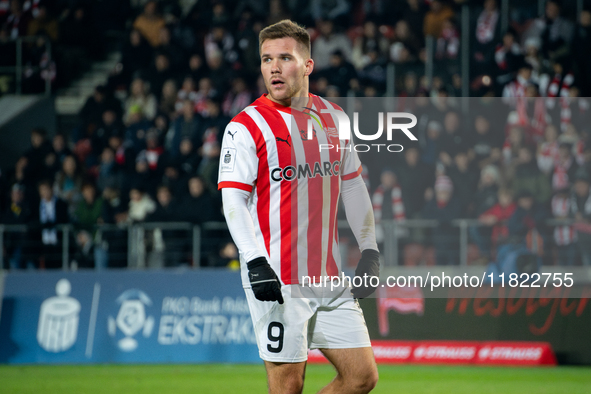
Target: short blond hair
<point>283,29</point>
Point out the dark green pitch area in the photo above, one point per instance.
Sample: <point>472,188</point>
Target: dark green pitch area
<point>246,379</point>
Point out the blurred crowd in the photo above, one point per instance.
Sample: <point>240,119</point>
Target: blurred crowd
<point>146,144</point>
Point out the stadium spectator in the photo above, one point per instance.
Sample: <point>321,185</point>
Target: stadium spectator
<point>198,206</point>
<point>220,73</point>
<point>556,32</point>
<point>43,23</point>
<point>167,210</point>
<point>465,178</point>
<point>496,218</point>
<point>52,212</point>
<point>374,73</point>
<point>370,40</point>
<point>17,22</point>
<point>108,173</point>
<point>336,11</point>
<point>431,147</point>
<point>548,150</point>
<point>237,98</point>
<point>186,126</point>
<point>35,155</point>
<point>517,87</point>
<point>406,46</point>
<point>110,125</point>
<point>159,73</point>
<point>327,43</point>
<point>168,99</point>
<point>143,178</point>
<point>448,41</point>
<point>87,215</point>
<point>443,207</point>
<point>18,211</point>
<point>414,177</point>
<point>565,168</point>
<point>219,43</point>
<point>140,204</point>
<point>414,14</point>
<point>135,55</point>
<point>581,47</point>
<point>173,49</point>
<point>341,74</point>
<point>137,126</point>
<point>197,68</point>
<point>68,182</point>
<point>435,18</point>
<point>205,91</point>
<point>387,203</point>
<point>485,144</point>
<point>507,56</point>
<point>527,222</point>
<point>115,212</point>
<point>149,23</point>
<point>139,98</point>
<point>453,139</point>
<point>487,33</point>
<point>565,236</point>
<point>92,112</point>
<point>60,147</point>
<point>528,177</point>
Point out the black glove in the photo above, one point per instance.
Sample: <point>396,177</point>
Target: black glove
<point>264,281</point>
<point>370,265</point>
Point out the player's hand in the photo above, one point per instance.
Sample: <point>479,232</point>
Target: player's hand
<point>264,281</point>
<point>368,265</point>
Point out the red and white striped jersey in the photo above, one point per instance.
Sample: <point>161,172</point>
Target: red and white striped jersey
<point>294,184</point>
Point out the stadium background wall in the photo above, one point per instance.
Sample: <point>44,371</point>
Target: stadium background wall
<point>563,322</point>
<point>202,317</point>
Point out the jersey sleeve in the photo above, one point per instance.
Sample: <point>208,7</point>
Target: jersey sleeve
<point>351,165</point>
<point>238,158</point>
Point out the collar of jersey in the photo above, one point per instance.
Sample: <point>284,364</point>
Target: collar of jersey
<point>270,103</point>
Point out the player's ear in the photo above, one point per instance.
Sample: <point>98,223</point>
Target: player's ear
<point>309,67</point>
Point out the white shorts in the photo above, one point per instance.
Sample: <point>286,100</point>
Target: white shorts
<point>315,318</point>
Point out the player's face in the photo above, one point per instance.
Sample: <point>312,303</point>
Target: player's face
<point>285,68</point>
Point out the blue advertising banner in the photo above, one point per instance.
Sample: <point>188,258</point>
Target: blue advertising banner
<point>125,316</point>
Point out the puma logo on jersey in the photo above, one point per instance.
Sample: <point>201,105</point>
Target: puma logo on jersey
<point>283,140</point>
<point>232,135</point>
<point>290,173</point>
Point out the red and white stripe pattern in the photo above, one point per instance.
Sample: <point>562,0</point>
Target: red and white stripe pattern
<point>295,216</point>
<point>563,235</point>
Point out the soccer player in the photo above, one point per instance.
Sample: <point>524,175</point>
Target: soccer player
<point>280,192</point>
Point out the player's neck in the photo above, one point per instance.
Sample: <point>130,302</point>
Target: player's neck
<point>303,92</point>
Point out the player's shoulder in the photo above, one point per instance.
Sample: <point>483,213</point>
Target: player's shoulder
<point>321,102</point>
<point>244,117</point>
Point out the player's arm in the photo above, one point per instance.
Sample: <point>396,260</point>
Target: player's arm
<point>237,175</point>
<point>359,211</point>
<point>264,281</point>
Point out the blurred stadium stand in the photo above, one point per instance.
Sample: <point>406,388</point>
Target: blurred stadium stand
<point>143,89</point>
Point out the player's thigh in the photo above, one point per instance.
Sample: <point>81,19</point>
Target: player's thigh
<point>285,378</point>
<point>339,325</point>
<point>281,330</point>
<point>356,366</point>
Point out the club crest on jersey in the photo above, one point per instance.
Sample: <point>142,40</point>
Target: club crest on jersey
<point>332,132</point>
<point>229,159</point>
<point>302,171</point>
